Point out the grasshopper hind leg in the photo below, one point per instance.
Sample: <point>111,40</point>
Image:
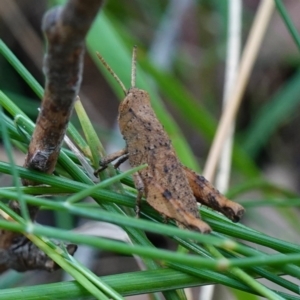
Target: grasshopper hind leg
<point>206,194</point>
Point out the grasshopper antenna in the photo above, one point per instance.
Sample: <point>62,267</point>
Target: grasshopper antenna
<point>133,67</point>
<point>110,70</point>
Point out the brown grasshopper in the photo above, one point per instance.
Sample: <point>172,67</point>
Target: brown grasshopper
<point>170,188</point>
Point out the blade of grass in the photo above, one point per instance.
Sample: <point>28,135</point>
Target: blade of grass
<point>126,284</point>
<point>87,192</point>
<point>261,185</point>
<point>257,270</point>
<point>270,116</point>
<point>95,145</point>
<point>55,253</point>
<point>289,202</point>
<point>225,226</point>
<point>15,174</point>
<point>162,255</point>
<point>100,215</point>
<point>288,22</point>
<point>80,278</point>
<point>90,134</point>
<point>13,60</point>
<point>243,276</point>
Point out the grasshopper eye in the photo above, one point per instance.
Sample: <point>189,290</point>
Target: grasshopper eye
<point>125,105</point>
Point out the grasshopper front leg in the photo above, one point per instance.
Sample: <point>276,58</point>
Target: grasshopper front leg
<point>122,155</point>
<point>141,191</point>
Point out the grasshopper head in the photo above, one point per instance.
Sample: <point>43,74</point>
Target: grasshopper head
<point>135,102</point>
<point>134,106</point>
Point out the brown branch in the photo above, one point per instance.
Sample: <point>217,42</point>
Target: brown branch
<point>65,29</point>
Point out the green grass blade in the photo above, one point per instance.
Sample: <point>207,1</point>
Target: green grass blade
<point>15,174</point>
<point>288,22</point>
<point>87,192</point>
<point>126,284</point>
<point>28,78</point>
<point>80,278</point>
<point>272,115</point>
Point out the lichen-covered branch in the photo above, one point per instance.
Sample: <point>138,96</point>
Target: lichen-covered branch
<point>65,29</point>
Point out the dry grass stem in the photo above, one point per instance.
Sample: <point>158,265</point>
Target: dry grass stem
<point>248,58</point>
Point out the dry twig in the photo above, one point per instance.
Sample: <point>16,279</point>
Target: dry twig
<point>65,29</point>
<point>256,35</point>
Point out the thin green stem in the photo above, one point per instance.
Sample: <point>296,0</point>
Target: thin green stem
<point>162,255</point>
<point>28,78</point>
<point>243,276</point>
<point>96,280</point>
<point>89,191</point>
<point>288,22</point>
<point>66,265</point>
<point>8,148</point>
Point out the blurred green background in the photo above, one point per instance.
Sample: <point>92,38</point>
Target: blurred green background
<point>181,58</point>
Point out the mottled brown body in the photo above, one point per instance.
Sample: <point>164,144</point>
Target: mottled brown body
<point>169,187</point>
<point>165,184</point>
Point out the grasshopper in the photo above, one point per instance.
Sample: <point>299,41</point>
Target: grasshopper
<point>169,187</point>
